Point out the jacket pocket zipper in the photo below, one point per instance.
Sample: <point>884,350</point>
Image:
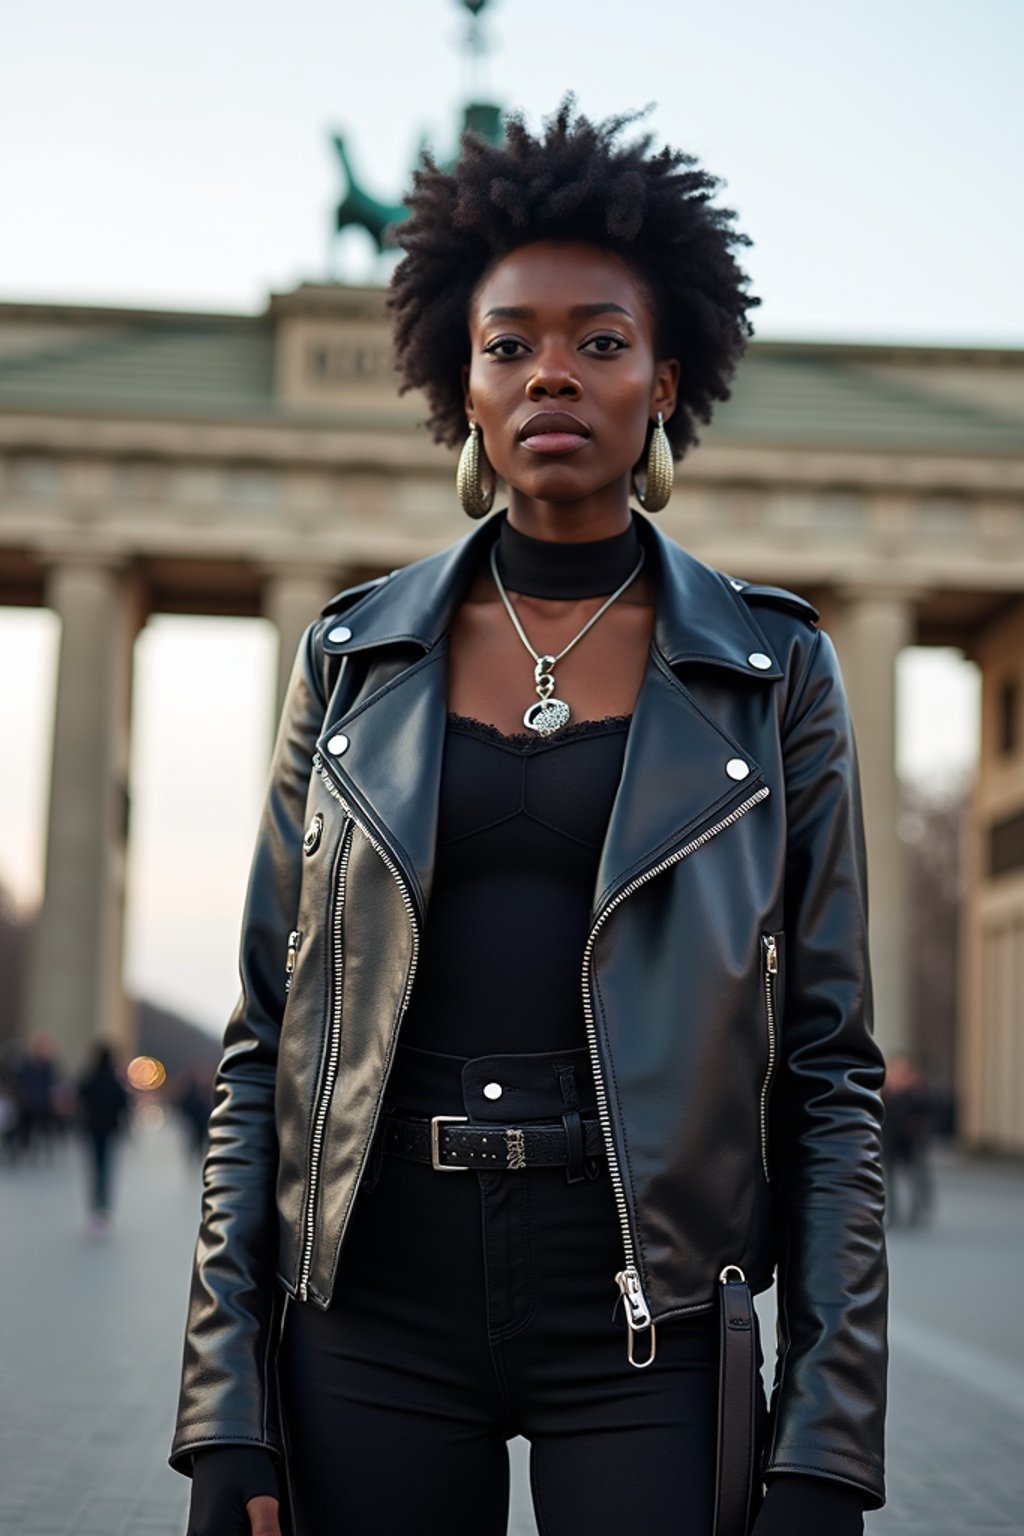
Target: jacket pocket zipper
<point>330,1070</point>
<point>291,959</point>
<point>770,953</point>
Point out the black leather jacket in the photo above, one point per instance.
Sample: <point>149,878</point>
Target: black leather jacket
<point>725,984</point>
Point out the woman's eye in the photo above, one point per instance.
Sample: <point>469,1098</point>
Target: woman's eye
<point>604,344</point>
<point>504,346</point>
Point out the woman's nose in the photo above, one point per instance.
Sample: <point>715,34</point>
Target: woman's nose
<point>552,375</point>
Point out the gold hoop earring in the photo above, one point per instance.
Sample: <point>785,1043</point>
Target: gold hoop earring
<point>475,500</point>
<point>659,471</point>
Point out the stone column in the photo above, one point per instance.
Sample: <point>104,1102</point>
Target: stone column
<point>75,984</point>
<point>872,626</point>
<point>292,599</point>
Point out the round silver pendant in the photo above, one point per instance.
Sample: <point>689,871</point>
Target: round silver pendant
<point>546,716</point>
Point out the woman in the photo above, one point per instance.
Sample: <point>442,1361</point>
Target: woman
<point>581,815</point>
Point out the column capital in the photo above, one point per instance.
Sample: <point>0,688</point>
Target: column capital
<point>273,571</point>
<point>82,557</point>
<point>866,590</point>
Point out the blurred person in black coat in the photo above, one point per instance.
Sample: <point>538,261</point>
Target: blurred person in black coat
<point>35,1084</point>
<point>192,1102</point>
<point>103,1114</point>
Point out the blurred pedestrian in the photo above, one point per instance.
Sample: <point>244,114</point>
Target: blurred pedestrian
<point>906,1141</point>
<point>193,1104</point>
<point>103,1114</point>
<point>8,1113</point>
<point>34,1082</point>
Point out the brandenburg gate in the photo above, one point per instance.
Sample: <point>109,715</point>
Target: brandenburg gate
<point>227,464</point>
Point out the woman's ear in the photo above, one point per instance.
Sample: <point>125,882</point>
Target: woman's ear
<point>666,383</point>
<point>467,397</point>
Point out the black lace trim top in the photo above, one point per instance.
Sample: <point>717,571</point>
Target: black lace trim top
<point>521,824</point>
<point>526,741</point>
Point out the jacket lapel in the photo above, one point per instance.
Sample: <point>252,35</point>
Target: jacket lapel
<point>385,756</point>
<point>681,772</point>
<point>385,753</point>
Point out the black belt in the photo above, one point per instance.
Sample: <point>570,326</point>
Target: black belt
<point>451,1144</point>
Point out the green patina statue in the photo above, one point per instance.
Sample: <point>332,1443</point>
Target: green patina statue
<point>360,209</point>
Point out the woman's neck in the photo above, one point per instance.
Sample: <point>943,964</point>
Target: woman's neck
<point>599,516</point>
<point>553,568</point>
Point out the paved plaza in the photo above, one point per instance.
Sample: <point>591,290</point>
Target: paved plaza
<point>90,1340</point>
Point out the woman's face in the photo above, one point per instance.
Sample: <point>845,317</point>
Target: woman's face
<point>564,379</point>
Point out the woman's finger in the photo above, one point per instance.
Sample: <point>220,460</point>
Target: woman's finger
<point>263,1515</point>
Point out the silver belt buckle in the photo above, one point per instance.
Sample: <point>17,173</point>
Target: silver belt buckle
<point>515,1149</point>
<point>436,1122</point>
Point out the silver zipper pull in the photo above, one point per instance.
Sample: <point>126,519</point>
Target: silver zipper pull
<point>294,945</point>
<point>638,1314</point>
<point>771,954</point>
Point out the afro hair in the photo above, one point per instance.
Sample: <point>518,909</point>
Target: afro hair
<point>574,181</point>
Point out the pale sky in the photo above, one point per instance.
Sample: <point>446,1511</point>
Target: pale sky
<point>180,156</point>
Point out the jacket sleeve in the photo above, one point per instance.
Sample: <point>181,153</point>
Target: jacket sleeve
<point>829,1395</point>
<point>235,1303</point>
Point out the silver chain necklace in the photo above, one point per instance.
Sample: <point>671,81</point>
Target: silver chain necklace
<point>549,714</point>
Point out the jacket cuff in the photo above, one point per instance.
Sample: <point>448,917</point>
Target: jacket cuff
<point>190,1438</point>
<point>250,1469</point>
<point>815,1461</point>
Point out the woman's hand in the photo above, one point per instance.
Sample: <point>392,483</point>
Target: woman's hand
<point>262,1512</point>
<point>810,1506</point>
<point>234,1492</point>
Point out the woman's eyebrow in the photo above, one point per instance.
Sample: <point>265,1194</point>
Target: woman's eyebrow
<point>510,312</point>
<point>582,311</point>
<point>578,311</point>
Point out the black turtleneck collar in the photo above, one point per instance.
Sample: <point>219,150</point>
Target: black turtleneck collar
<point>554,568</point>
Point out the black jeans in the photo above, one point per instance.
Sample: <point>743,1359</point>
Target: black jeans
<point>472,1307</point>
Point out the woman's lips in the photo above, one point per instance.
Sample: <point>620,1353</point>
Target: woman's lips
<point>550,431</point>
<point>555,442</point>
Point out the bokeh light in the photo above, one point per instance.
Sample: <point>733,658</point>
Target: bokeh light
<point>146,1073</point>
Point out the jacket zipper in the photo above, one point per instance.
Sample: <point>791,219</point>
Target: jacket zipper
<point>410,910</point>
<point>292,957</point>
<point>771,967</point>
<point>638,1312</point>
<point>330,1070</point>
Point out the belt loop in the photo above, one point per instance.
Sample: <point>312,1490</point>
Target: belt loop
<point>576,1170</point>
<point>567,1083</point>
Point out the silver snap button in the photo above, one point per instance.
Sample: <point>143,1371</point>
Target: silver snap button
<point>737,586</point>
<point>759,660</point>
<point>339,633</point>
<point>338,745</point>
<point>493,1090</point>
<point>736,768</point>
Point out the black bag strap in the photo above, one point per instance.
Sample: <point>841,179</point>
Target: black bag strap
<point>736,1404</point>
